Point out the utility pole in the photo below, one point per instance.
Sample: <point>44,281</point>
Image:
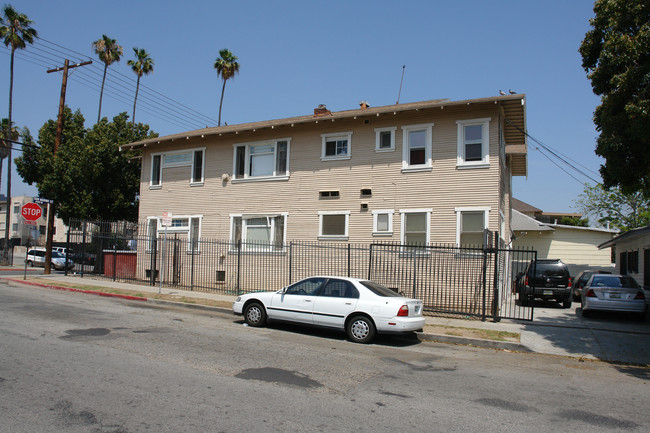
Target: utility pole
<point>57,143</point>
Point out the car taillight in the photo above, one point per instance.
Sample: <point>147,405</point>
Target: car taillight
<point>570,282</point>
<point>403,311</point>
<point>591,293</point>
<point>639,295</point>
<point>526,280</point>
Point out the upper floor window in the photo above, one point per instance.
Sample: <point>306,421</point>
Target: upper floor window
<point>473,143</point>
<point>336,145</point>
<point>261,160</point>
<point>259,232</point>
<point>192,158</point>
<point>416,144</point>
<point>385,139</point>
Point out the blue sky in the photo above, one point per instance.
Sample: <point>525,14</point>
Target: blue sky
<point>295,55</point>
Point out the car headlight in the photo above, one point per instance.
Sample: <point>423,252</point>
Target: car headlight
<point>238,299</point>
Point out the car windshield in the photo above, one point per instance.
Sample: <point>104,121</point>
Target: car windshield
<point>57,255</point>
<point>380,290</point>
<point>614,281</point>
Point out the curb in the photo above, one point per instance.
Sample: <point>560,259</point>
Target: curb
<point>436,338</point>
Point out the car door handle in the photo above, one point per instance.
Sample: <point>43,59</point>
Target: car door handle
<point>307,300</point>
<point>348,303</point>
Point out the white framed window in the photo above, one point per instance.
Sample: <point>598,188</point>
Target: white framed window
<point>16,207</point>
<point>471,223</point>
<point>194,158</point>
<point>182,224</point>
<point>416,226</point>
<point>382,222</point>
<point>333,225</point>
<point>258,233</point>
<point>385,139</point>
<point>336,146</point>
<point>261,160</point>
<point>473,143</point>
<point>416,143</point>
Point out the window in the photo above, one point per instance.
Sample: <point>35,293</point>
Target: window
<point>333,225</point>
<point>309,287</point>
<point>14,227</point>
<point>336,146</point>
<point>416,144</point>
<point>415,226</point>
<point>259,232</point>
<point>190,225</point>
<point>473,140</point>
<point>339,289</point>
<point>42,230</point>
<point>470,225</point>
<point>385,139</point>
<point>382,222</point>
<point>192,158</point>
<point>16,208</point>
<point>262,160</point>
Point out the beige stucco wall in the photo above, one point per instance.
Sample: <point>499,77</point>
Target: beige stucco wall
<point>442,189</point>
<point>576,247</point>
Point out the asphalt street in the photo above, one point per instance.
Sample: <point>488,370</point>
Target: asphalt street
<point>78,363</point>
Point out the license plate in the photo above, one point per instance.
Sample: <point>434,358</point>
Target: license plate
<point>614,296</point>
<point>548,292</point>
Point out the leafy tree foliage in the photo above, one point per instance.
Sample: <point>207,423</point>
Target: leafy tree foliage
<point>622,210</point>
<point>616,55</point>
<point>574,221</point>
<point>88,177</point>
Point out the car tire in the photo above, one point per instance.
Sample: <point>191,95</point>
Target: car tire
<point>255,314</point>
<point>360,329</point>
<point>586,313</point>
<point>567,302</point>
<point>30,263</point>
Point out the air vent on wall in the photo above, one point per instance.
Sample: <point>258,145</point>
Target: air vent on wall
<point>329,194</point>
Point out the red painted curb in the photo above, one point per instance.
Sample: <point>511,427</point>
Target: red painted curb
<point>70,289</point>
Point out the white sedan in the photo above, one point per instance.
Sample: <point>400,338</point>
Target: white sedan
<point>360,307</point>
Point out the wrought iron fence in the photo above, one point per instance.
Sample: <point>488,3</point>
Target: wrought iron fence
<point>477,282</point>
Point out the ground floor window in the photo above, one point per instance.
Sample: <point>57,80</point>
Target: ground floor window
<point>259,232</point>
<point>415,226</point>
<point>470,226</point>
<point>333,225</point>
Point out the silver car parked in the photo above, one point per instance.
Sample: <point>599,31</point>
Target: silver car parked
<point>613,293</point>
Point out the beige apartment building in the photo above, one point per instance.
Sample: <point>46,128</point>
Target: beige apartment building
<point>427,172</point>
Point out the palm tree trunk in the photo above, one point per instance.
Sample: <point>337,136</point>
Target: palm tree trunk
<point>137,87</point>
<point>101,94</point>
<point>223,89</point>
<point>8,213</point>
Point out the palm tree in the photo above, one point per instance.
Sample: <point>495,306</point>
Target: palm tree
<point>16,31</point>
<point>226,66</point>
<point>5,146</point>
<point>142,65</point>
<point>108,52</point>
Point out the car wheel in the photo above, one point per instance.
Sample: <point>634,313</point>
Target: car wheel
<point>567,302</point>
<point>586,313</point>
<point>361,329</point>
<point>255,314</point>
<point>30,263</point>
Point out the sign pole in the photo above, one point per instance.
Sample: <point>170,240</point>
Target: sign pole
<point>166,222</point>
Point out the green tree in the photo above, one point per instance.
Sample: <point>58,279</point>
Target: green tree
<point>89,177</point>
<point>574,221</point>
<point>227,67</point>
<point>16,31</point>
<point>616,56</point>
<point>141,65</point>
<point>624,211</point>
<point>108,52</point>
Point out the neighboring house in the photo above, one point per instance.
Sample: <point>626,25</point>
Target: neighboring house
<point>578,247</point>
<point>633,254</point>
<point>540,215</point>
<point>21,233</point>
<point>416,173</point>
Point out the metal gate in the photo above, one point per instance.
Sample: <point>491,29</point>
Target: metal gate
<point>465,281</point>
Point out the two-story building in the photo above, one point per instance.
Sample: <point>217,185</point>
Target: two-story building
<point>427,172</point>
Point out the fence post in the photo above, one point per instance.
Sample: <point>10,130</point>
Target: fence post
<point>83,249</point>
<point>239,244</point>
<point>115,258</point>
<point>415,261</point>
<point>348,260</point>
<point>290,262</point>
<point>370,261</point>
<point>67,250</point>
<point>154,259</point>
<point>192,249</point>
<point>496,305</point>
<point>483,306</point>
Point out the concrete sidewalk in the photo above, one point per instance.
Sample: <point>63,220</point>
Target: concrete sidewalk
<point>555,331</point>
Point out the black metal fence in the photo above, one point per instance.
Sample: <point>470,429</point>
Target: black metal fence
<point>477,282</point>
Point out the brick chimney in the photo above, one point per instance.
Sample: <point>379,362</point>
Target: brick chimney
<point>363,105</point>
<point>321,111</point>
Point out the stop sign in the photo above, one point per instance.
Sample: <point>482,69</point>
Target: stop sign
<point>31,211</point>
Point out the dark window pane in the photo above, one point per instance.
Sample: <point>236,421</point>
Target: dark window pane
<point>197,175</point>
<point>334,225</point>
<point>385,139</point>
<point>281,158</point>
<point>155,170</point>
<point>473,152</point>
<point>240,162</point>
<point>417,157</point>
<point>330,148</point>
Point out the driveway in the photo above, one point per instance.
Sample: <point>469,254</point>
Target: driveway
<point>612,337</point>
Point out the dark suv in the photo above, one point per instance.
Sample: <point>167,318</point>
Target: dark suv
<point>545,279</point>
